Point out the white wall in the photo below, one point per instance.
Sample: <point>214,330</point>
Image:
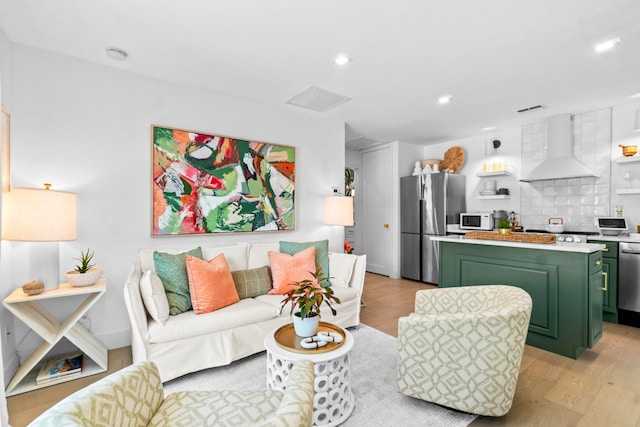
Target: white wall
<point>7,346</point>
<point>594,197</point>
<point>622,119</point>
<point>479,150</point>
<point>86,128</point>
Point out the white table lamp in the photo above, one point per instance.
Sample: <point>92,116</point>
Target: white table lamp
<point>42,216</point>
<point>338,210</point>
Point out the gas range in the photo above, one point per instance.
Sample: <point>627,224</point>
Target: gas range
<point>568,236</point>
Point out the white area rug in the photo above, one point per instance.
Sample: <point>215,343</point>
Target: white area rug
<point>373,380</point>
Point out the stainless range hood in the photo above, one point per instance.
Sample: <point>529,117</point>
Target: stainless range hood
<point>559,163</point>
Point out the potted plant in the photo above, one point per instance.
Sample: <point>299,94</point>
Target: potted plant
<point>85,273</point>
<point>504,226</point>
<point>307,296</point>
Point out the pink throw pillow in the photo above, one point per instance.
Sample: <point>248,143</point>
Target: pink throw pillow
<point>286,269</point>
<point>211,284</point>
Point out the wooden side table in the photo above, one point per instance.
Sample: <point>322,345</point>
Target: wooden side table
<point>27,309</point>
<point>333,400</point>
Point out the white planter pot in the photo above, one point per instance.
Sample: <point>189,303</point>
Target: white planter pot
<point>83,279</point>
<point>306,327</point>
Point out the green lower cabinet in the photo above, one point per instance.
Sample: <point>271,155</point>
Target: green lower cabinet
<point>610,276</point>
<point>565,288</point>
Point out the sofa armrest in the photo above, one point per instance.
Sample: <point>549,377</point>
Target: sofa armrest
<point>296,407</point>
<point>137,315</point>
<point>128,397</point>
<point>359,271</point>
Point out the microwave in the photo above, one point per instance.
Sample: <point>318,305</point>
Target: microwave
<point>476,221</point>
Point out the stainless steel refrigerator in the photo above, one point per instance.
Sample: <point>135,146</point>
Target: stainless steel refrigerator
<point>428,203</point>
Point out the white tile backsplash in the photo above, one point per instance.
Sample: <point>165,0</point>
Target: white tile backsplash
<point>578,200</point>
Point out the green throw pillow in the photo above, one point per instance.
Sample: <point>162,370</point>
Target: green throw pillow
<point>322,252</point>
<point>251,283</point>
<point>172,270</point>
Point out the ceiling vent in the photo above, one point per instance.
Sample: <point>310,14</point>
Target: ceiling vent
<point>530,109</point>
<point>317,99</point>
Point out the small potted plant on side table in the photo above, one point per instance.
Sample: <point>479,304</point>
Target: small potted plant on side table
<point>504,226</point>
<point>308,295</point>
<point>85,273</point>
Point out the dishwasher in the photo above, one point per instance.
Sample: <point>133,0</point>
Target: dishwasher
<point>629,284</point>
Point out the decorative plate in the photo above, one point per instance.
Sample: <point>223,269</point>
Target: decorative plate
<point>453,159</point>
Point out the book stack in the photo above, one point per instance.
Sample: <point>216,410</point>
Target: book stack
<point>60,368</point>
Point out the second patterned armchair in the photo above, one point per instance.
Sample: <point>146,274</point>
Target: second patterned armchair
<point>462,347</point>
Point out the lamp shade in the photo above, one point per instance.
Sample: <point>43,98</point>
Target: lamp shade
<point>636,127</point>
<point>35,215</point>
<point>338,210</point>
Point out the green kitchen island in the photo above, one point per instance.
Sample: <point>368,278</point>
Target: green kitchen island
<point>564,280</point>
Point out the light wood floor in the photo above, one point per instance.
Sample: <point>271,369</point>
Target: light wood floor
<point>600,389</point>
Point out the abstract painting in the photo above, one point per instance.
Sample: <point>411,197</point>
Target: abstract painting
<point>217,184</point>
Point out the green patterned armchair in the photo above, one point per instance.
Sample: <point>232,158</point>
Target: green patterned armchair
<point>462,347</point>
<point>133,396</point>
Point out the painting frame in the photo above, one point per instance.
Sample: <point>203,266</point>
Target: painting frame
<point>206,184</point>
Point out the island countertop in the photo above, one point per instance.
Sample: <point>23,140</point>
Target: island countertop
<point>559,246</point>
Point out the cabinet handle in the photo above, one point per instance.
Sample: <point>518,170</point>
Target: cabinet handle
<point>606,281</point>
<point>598,261</point>
<point>386,226</point>
<point>605,249</point>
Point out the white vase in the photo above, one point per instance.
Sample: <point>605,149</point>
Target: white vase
<point>306,327</point>
<point>83,279</point>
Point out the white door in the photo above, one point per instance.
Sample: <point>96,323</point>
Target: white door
<point>377,209</point>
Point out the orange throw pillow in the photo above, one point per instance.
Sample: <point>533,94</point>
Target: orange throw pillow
<point>286,269</point>
<point>210,284</point>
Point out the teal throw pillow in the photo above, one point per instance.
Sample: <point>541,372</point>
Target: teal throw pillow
<point>172,270</point>
<point>251,283</point>
<point>322,252</point>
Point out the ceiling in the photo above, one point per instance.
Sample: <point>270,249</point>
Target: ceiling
<point>493,56</point>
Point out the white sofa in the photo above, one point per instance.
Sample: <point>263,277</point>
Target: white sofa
<point>189,342</point>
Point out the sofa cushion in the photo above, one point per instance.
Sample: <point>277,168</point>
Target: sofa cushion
<point>321,257</point>
<point>286,269</point>
<point>251,283</point>
<point>341,269</point>
<point>211,285</point>
<point>154,296</point>
<point>236,255</point>
<point>145,257</point>
<point>172,269</point>
<point>190,324</point>
<point>259,254</point>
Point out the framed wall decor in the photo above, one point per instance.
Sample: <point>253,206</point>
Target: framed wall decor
<point>206,184</point>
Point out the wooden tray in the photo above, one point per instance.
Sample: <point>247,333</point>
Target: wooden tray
<point>513,237</point>
<point>286,338</point>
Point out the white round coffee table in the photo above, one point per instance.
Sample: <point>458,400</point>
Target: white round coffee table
<point>333,400</point>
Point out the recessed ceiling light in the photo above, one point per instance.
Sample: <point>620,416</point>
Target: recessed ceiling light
<point>489,128</point>
<point>607,45</point>
<point>445,99</point>
<point>116,54</point>
<point>342,59</point>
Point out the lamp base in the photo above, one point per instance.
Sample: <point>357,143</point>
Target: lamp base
<point>44,264</point>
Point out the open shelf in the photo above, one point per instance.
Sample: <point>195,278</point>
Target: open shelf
<point>500,173</point>
<point>631,159</point>
<point>89,367</point>
<point>493,197</point>
<point>628,191</point>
